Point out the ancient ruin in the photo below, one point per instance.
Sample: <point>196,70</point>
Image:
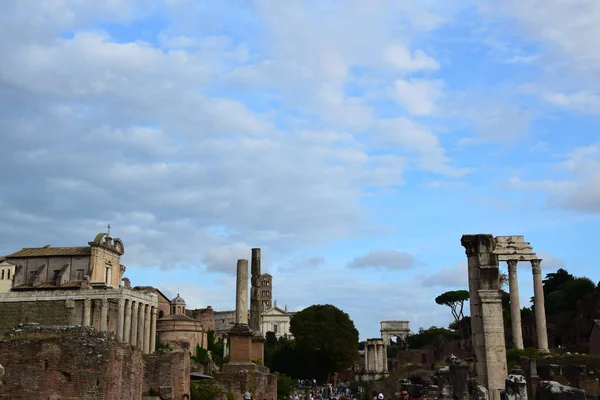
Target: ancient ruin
<point>390,329</point>
<point>483,254</point>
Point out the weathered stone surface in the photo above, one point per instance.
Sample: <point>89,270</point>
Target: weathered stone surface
<point>241,295</point>
<point>476,390</point>
<point>459,375</point>
<point>550,390</point>
<point>515,388</point>
<point>167,370</point>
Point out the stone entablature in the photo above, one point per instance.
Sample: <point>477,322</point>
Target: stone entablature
<point>129,314</point>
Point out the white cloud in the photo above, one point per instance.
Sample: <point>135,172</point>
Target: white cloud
<point>387,259</point>
<point>418,96</point>
<point>455,277</point>
<point>401,58</point>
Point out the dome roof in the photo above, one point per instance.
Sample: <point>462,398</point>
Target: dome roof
<point>178,300</point>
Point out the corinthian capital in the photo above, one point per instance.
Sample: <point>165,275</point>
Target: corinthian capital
<point>536,266</point>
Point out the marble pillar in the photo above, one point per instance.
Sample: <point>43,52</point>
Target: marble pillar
<point>241,294</point>
<point>127,327</point>
<point>120,319</point>
<point>153,331</point>
<point>103,315</point>
<point>134,323</point>
<point>147,329</point>
<point>141,324</point>
<point>538,305</point>
<point>515,306</point>
<point>87,312</point>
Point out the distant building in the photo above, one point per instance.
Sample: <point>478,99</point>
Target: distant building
<point>179,330</point>
<point>277,320</point>
<point>7,273</point>
<point>266,291</point>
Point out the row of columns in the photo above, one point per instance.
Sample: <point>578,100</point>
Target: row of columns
<point>136,322</point>
<point>538,305</point>
<point>375,356</point>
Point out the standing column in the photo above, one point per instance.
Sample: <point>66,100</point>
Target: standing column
<point>538,305</point>
<point>103,315</point>
<point>141,334</point>
<point>120,319</point>
<point>366,357</point>
<point>127,327</point>
<point>255,299</point>
<point>241,298</point>
<point>134,323</point>
<point>515,306</point>
<point>147,330</point>
<point>87,312</point>
<point>153,331</point>
<point>385,359</point>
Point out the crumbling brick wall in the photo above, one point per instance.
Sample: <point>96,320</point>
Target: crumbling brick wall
<point>167,368</point>
<point>68,363</point>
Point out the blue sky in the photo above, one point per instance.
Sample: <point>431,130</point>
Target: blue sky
<point>354,142</point>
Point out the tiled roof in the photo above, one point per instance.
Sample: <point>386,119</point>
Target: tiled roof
<point>51,252</point>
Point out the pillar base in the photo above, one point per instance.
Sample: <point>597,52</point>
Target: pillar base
<point>258,347</point>
<point>240,339</point>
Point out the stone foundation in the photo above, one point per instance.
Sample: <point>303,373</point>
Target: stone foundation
<point>263,386</point>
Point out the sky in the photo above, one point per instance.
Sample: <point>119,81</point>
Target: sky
<point>353,141</point>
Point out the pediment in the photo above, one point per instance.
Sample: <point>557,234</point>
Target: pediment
<point>275,311</point>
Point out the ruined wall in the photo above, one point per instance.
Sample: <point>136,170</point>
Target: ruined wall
<point>181,335</point>
<point>73,363</point>
<point>52,313</point>
<point>262,386</point>
<point>167,368</point>
<point>206,316</point>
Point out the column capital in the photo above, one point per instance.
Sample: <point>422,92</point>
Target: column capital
<point>135,305</point>
<point>104,302</point>
<point>512,265</point>
<point>154,310</point>
<point>87,302</point>
<point>536,266</point>
<point>128,304</point>
<point>121,302</point>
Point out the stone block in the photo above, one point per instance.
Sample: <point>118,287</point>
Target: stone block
<point>515,388</point>
<point>551,390</point>
<point>477,391</point>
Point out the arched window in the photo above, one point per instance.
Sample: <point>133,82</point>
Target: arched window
<point>161,314</point>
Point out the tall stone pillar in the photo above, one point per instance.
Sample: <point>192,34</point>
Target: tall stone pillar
<point>87,312</point>
<point>153,331</point>
<point>538,305</point>
<point>147,329</point>
<point>384,357</point>
<point>486,312</point>
<point>141,326</point>
<point>103,315</point>
<point>134,323</point>
<point>515,306</point>
<point>241,295</point>
<point>127,327</point>
<point>255,304</point>
<point>367,365</point>
<point>120,319</point>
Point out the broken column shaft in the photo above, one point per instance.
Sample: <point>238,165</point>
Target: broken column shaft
<point>241,295</point>
<point>255,300</point>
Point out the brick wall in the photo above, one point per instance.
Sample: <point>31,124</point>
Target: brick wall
<point>167,368</point>
<point>68,363</point>
<point>241,348</point>
<point>50,313</point>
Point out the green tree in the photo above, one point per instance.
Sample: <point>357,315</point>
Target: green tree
<point>555,280</point>
<point>574,290</point>
<point>433,338</point>
<point>326,340</point>
<point>454,299</point>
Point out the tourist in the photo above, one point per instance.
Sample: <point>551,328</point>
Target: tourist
<point>404,394</point>
<point>247,396</point>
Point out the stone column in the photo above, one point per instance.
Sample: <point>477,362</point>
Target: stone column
<point>515,306</point>
<point>141,324</point>
<point>255,301</point>
<point>385,359</point>
<point>485,300</point>
<point>147,329</point>
<point>103,315</point>
<point>134,323</point>
<point>538,305</point>
<point>153,330</point>
<point>87,312</point>
<point>366,357</point>
<point>127,327</point>
<point>241,295</point>
<point>120,319</point>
